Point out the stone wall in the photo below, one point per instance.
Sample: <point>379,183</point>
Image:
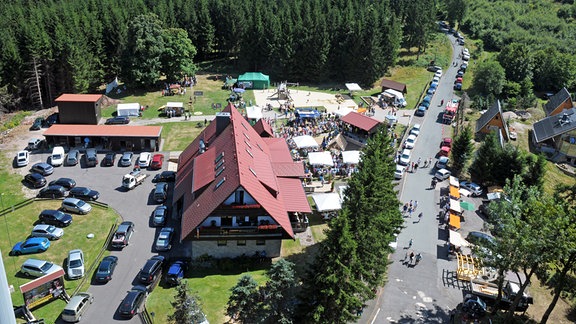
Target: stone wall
<point>232,249</point>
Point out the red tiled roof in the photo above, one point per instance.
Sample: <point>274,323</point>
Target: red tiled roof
<point>103,130</point>
<point>279,151</point>
<point>70,97</point>
<point>42,280</point>
<point>289,169</point>
<point>293,195</point>
<point>263,128</point>
<point>203,172</point>
<point>363,122</point>
<point>247,164</point>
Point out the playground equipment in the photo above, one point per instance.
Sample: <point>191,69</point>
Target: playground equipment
<point>282,92</point>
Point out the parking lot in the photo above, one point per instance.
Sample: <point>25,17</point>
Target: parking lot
<point>135,205</point>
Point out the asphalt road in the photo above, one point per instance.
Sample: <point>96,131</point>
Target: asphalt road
<point>136,206</point>
<point>418,294</point>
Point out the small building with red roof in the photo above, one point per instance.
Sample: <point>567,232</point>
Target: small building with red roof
<point>237,192</point>
<point>79,108</point>
<point>358,127</point>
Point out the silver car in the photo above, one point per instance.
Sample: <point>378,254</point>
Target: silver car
<point>76,205</point>
<point>77,306</point>
<point>163,242</point>
<point>75,264</point>
<point>50,232</point>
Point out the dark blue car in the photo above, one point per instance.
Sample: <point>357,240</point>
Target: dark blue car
<point>31,245</point>
<point>176,272</point>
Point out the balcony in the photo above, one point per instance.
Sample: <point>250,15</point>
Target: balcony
<point>229,232</point>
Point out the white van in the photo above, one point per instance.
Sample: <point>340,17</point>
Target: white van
<point>57,157</point>
<point>395,97</point>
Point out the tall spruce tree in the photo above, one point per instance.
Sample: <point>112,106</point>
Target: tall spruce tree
<point>186,306</point>
<point>243,305</point>
<point>486,159</point>
<point>461,150</point>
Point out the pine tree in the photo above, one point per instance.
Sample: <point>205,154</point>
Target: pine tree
<point>461,149</point>
<point>279,292</point>
<point>187,308</point>
<point>243,305</point>
<point>485,159</point>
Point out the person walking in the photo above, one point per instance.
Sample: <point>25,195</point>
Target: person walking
<point>415,204</point>
<point>410,243</point>
<point>411,257</point>
<point>420,217</point>
<point>419,160</point>
<point>418,258</point>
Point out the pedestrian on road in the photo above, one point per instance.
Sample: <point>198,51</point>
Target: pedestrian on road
<point>419,160</point>
<point>415,204</point>
<point>410,204</point>
<point>415,167</point>
<point>441,102</point>
<point>405,209</point>
<point>410,244</point>
<point>425,163</point>
<point>411,257</point>
<point>418,257</point>
<point>420,217</point>
<point>429,161</point>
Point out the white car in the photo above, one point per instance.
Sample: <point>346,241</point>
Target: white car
<point>438,74</point>
<point>415,130</point>
<point>405,157</point>
<point>436,78</point>
<point>144,159</point>
<point>75,264</point>
<point>474,188</point>
<point>399,173</point>
<point>22,158</point>
<point>410,142</point>
<point>57,157</point>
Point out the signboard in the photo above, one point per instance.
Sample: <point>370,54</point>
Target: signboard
<point>198,93</point>
<point>43,289</point>
<point>245,84</point>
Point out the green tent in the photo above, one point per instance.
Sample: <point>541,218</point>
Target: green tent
<point>254,80</point>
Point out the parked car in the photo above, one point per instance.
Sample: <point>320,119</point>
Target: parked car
<point>399,173</point>
<point>77,306</point>
<point>474,188</point>
<point>126,159</point>
<point>133,301</point>
<point>430,91</point>
<point>480,238</point>
<point>119,120</point>
<point>91,157</point>
<point>144,159</point>
<point>161,192</point>
<point>57,157</point>
<point>31,245</point>
<point>165,176</point>
<point>458,80</point>
<point>76,205</point>
<point>37,124</point>
<point>415,129</point>
<point>75,264</point>
<point>421,111</point>
<point>34,144</point>
<point>164,240</point>
<point>176,272</point>
<point>460,74</point>
<point>464,66</point>
<point>55,217</point>
<point>438,74</point>
<point>35,180</point>
<point>22,158</point>
<point>157,161</point>
<point>109,159</point>
<point>442,174</point>
<point>159,215</point>
<point>410,142</point>
<point>52,119</point>
<point>435,79</point>
<point>405,157</point>
<point>434,68</point>
<point>458,86</point>
<point>54,191</point>
<point>442,162</point>
<point>44,169</point>
<point>84,193</point>
<point>122,235</point>
<point>50,232</point>
<point>152,268</point>
<point>73,157</point>
<point>38,268</point>
<point>67,183</point>
<point>106,269</point>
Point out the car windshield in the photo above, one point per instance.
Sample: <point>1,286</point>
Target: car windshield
<point>59,215</point>
<point>80,203</point>
<point>50,229</point>
<point>83,191</point>
<point>75,263</point>
<point>46,266</point>
<point>104,267</point>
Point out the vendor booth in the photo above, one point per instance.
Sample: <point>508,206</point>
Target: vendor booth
<point>454,192</point>
<point>454,221</point>
<point>320,158</point>
<point>327,204</point>
<point>306,113</point>
<point>343,111</point>
<point>305,141</point>
<point>128,109</point>
<point>254,112</point>
<point>254,80</point>
<point>351,157</point>
<point>174,109</point>
<point>455,206</point>
<point>457,239</point>
<point>454,182</point>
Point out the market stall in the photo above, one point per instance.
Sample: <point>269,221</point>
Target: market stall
<point>128,109</point>
<point>320,158</point>
<point>351,157</point>
<point>327,204</point>
<point>305,141</point>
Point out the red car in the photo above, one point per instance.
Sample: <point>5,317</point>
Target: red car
<point>157,161</point>
<point>445,146</point>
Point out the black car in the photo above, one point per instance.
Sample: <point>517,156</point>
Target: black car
<point>35,180</point>
<point>52,191</point>
<point>458,86</point>
<point>55,217</point>
<point>109,159</point>
<point>52,119</point>
<point>64,182</point>
<point>106,269</point>
<point>133,301</point>
<point>151,269</point>
<point>120,120</point>
<point>84,193</point>
<point>165,176</point>
<point>38,123</point>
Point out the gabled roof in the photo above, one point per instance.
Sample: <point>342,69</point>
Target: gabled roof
<point>103,130</point>
<point>70,97</point>
<point>553,126</point>
<point>237,157</point>
<point>389,84</point>
<point>556,100</point>
<point>489,115</point>
<point>263,128</point>
<point>363,122</point>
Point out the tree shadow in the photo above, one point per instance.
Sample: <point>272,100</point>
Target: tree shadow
<point>434,315</point>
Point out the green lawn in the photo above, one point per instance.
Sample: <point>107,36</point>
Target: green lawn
<point>177,136</point>
<point>213,289</point>
<point>17,227</point>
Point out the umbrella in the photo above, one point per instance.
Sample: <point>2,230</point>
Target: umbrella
<point>239,90</point>
<point>467,205</point>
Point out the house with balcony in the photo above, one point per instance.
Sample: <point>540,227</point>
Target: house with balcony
<point>238,192</point>
<point>555,136</point>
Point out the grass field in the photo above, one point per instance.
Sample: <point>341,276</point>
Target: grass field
<point>179,135</point>
<point>18,225</point>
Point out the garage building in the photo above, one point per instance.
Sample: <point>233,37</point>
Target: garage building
<point>79,108</point>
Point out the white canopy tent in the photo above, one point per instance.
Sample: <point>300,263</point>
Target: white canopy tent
<point>305,141</point>
<point>457,239</point>
<point>174,105</point>
<point>351,157</point>
<point>327,201</point>
<point>320,158</point>
<point>343,111</point>
<point>353,87</point>
<point>128,109</point>
<point>254,112</point>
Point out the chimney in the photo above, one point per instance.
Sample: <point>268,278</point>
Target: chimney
<point>222,121</point>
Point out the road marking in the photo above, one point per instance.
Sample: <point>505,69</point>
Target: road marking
<point>376,315</point>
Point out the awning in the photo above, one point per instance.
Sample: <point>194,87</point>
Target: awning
<point>455,221</point>
<point>128,109</point>
<point>454,182</point>
<point>320,158</point>
<point>454,192</point>
<point>351,157</point>
<point>254,112</point>
<point>327,201</point>
<point>307,113</point>
<point>175,104</point>
<point>457,239</point>
<point>343,111</point>
<point>465,192</point>
<point>455,206</point>
<point>305,141</point>
<point>353,87</point>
